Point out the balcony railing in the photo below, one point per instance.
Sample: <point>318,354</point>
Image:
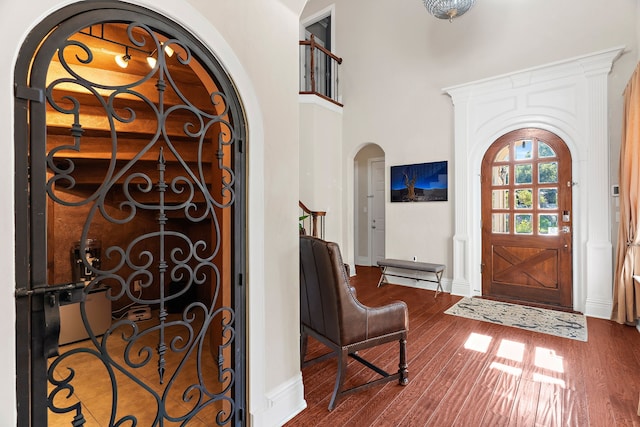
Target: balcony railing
<point>319,71</point>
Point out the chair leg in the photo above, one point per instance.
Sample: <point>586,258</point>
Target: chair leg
<point>342,370</point>
<point>403,371</point>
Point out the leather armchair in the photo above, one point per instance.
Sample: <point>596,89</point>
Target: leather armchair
<point>331,313</point>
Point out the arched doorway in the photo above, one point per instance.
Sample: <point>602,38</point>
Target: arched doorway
<point>526,219</point>
<point>130,223</point>
<point>369,206</point>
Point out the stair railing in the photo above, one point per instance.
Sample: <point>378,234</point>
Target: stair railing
<point>311,222</point>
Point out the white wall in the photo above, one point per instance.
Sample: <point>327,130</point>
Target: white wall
<point>321,176</point>
<point>256,42</point>
<point>397,59</point>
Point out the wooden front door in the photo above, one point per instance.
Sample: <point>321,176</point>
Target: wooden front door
<point>526,219</point>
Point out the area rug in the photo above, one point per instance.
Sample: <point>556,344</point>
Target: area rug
<point>558,323</point>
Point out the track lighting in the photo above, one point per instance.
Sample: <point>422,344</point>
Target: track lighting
<point>151,60</point>
<point>123,60</point>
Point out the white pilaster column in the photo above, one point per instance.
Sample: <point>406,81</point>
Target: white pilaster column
<point>460,284</point>
<point>598,266</point>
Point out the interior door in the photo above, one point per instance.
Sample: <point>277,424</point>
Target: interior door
<point>321,31</point>
<point>377,202</point>
<point>527,219</point>
<point>130,245</point>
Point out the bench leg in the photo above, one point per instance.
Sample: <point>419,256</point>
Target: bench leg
<point>439,287</point>
<point>383,278</point>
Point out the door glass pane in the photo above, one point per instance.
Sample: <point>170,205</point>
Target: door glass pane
<point>500,199</point>
<point>544,150</point>
<point>503,154</point>
<point>524,224</point>
<point>524,199</point>
<point>548,198</point>
<point>548,173</point>
<point>548,224</point>
<point>500,175</point>
<point>523,173</point>
<point>500,223</point>
<point>523,150</point>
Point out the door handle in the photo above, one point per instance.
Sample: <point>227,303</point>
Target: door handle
<point>51,297</point>
<point>566,229</point>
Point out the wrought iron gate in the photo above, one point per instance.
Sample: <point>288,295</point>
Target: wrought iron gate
<point>129,200</point>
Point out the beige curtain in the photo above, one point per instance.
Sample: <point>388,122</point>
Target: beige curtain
<point>626,290</point>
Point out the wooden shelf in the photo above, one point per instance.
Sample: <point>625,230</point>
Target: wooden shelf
<point>129,145</point>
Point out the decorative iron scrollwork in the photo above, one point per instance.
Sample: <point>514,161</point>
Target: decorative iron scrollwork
<point>197,189</point>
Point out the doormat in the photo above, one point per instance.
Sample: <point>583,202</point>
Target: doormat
<point>558,323</point>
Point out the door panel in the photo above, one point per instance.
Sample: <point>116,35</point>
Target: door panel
<point>526,219</point>
<point>135,193</point>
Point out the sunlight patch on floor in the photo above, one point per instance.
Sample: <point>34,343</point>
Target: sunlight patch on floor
<point>548,359</point>
<point>478,342</point>
<point>511,350</point>
<point>512,370</point>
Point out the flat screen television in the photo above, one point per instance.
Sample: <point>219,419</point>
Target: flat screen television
<point>420,182</point>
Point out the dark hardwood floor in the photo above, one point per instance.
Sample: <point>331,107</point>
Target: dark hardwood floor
<point>469,373</point>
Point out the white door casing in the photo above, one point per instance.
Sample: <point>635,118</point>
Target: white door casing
<point>568,98</point>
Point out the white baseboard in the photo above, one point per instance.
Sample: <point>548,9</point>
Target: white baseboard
<point>363,261</point>
<point>461,288</point>
<point>282,404</point>
<point>599,309</point>
<point>352,270</point>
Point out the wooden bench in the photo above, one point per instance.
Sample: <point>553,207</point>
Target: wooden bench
<point>435,269</point>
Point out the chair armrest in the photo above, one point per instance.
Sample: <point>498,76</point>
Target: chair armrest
<point>387,319</point>
<point>361,322</point>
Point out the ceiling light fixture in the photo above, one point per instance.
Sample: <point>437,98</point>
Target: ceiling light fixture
<point>123,60</point>
<point>448,9</point>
